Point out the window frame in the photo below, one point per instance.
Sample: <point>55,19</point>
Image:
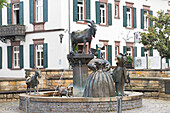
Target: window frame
<point>14,44</point>
<point>103,17</point>
<point>130,5</point>
<point>129,52</point>
<point>116,50</point>
<point>116,4</point>
<point>146,19</point>
<point>105,43</point>
<point>117,44</point>
<point>129,20</point>
<point>13,2</point>
<point>16,59</point>
<point>37,42</point>
<point>79,11</point>
<point>106,13</point>
<point>84,14</point>
<point>40,54</point>
<point>38,14</point>
<point>104,50</point>
<point>80,47</point>
<point>131,45</point>
<point>146,8</point>
<point>15,17</point>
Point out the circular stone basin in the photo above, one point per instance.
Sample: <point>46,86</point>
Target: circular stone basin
<point>45,102</point>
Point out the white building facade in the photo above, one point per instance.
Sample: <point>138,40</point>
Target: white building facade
<point>47,25</point>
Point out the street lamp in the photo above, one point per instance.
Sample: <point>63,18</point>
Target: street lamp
<point>61,37</point>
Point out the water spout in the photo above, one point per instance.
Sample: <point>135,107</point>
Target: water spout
<point>58,87</point>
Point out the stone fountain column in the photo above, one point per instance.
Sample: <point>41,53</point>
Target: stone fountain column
<point>80,71</point>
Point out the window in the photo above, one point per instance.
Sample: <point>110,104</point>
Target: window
<point>39,10</point>
<point>129,51</point>
<point>39,54</point>
<point>117,9</point>
<point>16,57</point>
<point>103,52</point>
<point>146,53</point>
<point>103,13</point>
<point>116,50</point>
<point>145,19</point>
<point>80,9</point>
<point>129,17</point>
<point>80,48</point>
<point>16,13</point>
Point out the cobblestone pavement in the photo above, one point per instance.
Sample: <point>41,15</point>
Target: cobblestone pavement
<point>152,106</point>
<point>149,106</point>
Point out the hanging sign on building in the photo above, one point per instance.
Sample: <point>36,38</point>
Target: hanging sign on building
<point>137,35</point>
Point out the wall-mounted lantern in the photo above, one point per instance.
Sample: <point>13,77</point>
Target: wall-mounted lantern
<point>61,37</point>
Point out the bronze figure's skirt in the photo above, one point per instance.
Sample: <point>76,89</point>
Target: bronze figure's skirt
<point>99,84</point>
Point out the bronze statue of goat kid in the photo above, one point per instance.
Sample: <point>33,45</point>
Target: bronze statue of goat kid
<point>33,82</point>
<point>84,36</point>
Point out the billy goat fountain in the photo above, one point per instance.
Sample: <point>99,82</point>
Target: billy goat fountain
<point>101,91</point>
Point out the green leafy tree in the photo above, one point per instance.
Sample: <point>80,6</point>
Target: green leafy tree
<point>129,60</point>
<point>3,3</point>
<point>157,36</point>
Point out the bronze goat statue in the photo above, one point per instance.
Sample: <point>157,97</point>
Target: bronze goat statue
<point>32,81</point>
<point>84,36</point>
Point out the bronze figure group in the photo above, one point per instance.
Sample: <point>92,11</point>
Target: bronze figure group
<point>102,82</point>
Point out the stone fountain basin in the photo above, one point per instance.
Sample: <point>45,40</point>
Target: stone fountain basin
<point>45,102</point>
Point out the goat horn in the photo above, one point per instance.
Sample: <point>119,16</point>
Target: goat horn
<point>88,21</point>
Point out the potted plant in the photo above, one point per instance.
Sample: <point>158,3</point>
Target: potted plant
<point>129,62</point>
